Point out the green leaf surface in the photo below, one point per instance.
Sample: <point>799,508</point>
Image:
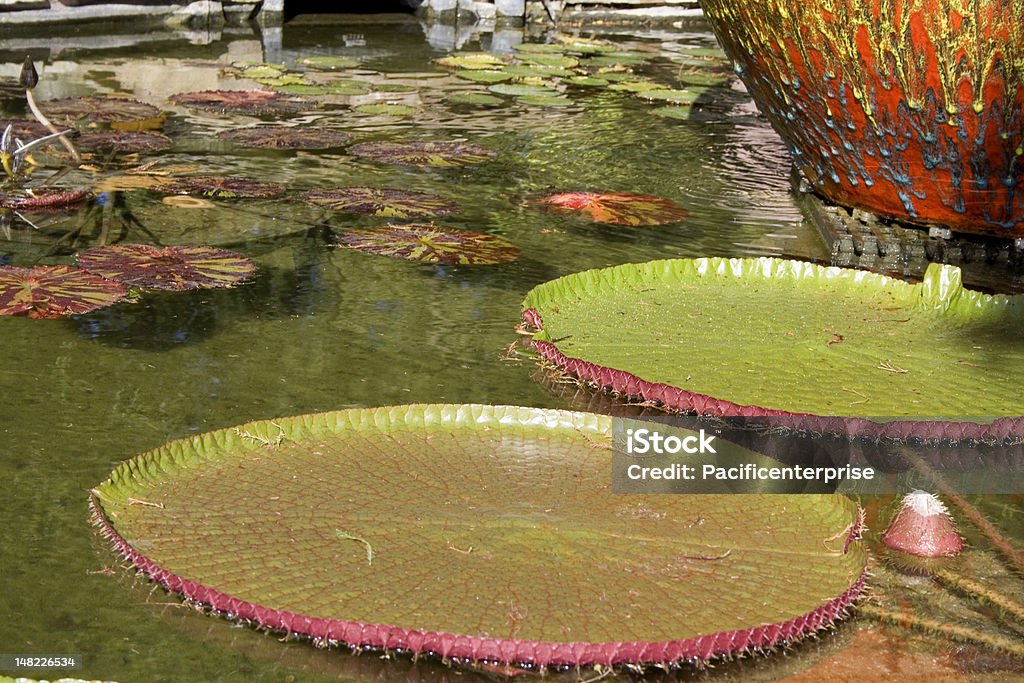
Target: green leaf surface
<point>480,521</point>
<point>483,76</point>
<point>796,336</point>
<point>521,89</point>
<point>385,109</point>
<point>475,99</point>
<point>471,60</point>
<point>544,101</point>
<point>328,62</point>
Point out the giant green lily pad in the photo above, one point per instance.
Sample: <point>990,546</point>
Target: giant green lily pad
<point>55,291</point>
<point>742,336</point>
<point>176,267</point>
<point>432,244</point>
<point>477,534</point>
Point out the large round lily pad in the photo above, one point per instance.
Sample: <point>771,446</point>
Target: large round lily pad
<point>123,141</point>
<point>176,267</point>
<point>424,153</point>
<point>432,244</point>
<point>54,291</point>
<point>221,186</point>
<point>255,102</point>
<point>475,533</point>
<point>286,137</point>
<point>96,109</point>
<point>618,208</point>
<point>746,336</point>
<point>381,202</point>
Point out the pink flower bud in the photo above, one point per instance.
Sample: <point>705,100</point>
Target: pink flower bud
<point>923,527</point>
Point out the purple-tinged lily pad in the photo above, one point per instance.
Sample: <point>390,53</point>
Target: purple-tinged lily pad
<point>123,141</point>
<point>504,545</point>
<point>96,109</point>
<point>55,291</point>
<point>424,153</point>
<point>618,208</point>
<point>28,129</point>
<point>43,198</point>
<point>222,186</point>
<point>381,202</point>
<point>431,244</point>
<point>282,137</point>
<point>174,267</point>
<point>254,102</point>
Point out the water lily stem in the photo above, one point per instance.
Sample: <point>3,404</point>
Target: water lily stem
<point>68,145</point>
<point>960,583</point>
<point>962,633</point>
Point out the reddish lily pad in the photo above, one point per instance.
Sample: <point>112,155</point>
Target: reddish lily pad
<point>381,202</point>
<point>281,137</point>
<point>246,101</point>
<point>432,244</point>
<point>424,153</point>
<point>28,129</point>
<point>123,141</point>
<point>494,539</point>
<point>55,291</point>
<point>222,186</point>
<point>619,208</point>
<point>43,198</point>
<point>174,267</point>
<point>95,109</point>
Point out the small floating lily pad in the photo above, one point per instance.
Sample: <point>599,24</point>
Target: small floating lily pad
<point>222,187</point>
<point>483,76</point>
<point>705,78</point>
<point>42,198</point>
<point>535,71</point>
<point>521,89</point>
<point>394,87</point>
<point>276,82</point>
<point>589,81</point>
<point>246,101</point>
<point>289,524</point>
<point>736,336</point>
<point>619,208</point>
<point>424,153</point>
<point>262,71</point>
<point>475,99</point>
<point>544,101</point>
<point>341,87</point>
<point>28,129</point>
<point>55,291</point>
<point>636,86</point>
<point>328,62</point>
<point>173,268</point>
<point>471,60</point>
<point>286,137</point>
<point>385,109</point>
<point>680,97</point>
<point>539,48</point>
<point>556,61</point>
<point>95,109</point>
<point>381,202</point>
<point>616,59</point>
<point>123,141</point>
<point>432,244</point>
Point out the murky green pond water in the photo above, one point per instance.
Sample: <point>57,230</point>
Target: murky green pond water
<point>323,328</point>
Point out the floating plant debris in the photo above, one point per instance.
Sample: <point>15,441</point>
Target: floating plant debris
<point>424,153</point>
<point>328,62</point>
<point>381,202</point>
<point>123,141</point>
<point>95,109</point>
<point>173,267</point>
<point>618,208</point>
<point>221,186</point>
<point>385,109</point>
<point>246,101</point>
<point>300,502</point>
<point>746,334</point>
<point>286,137</point>
<point>431,244</point>
<point>471,60</point>
<point>55,291</point>
<point>42,198</point>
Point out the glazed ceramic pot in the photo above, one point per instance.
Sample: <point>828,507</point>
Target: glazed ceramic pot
<point>911,109</point>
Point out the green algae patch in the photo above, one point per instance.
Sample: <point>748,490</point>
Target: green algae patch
<point>476,533</point>
<point>793,336</point>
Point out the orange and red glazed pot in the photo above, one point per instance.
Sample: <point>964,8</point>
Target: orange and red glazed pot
<point>911,109</point>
